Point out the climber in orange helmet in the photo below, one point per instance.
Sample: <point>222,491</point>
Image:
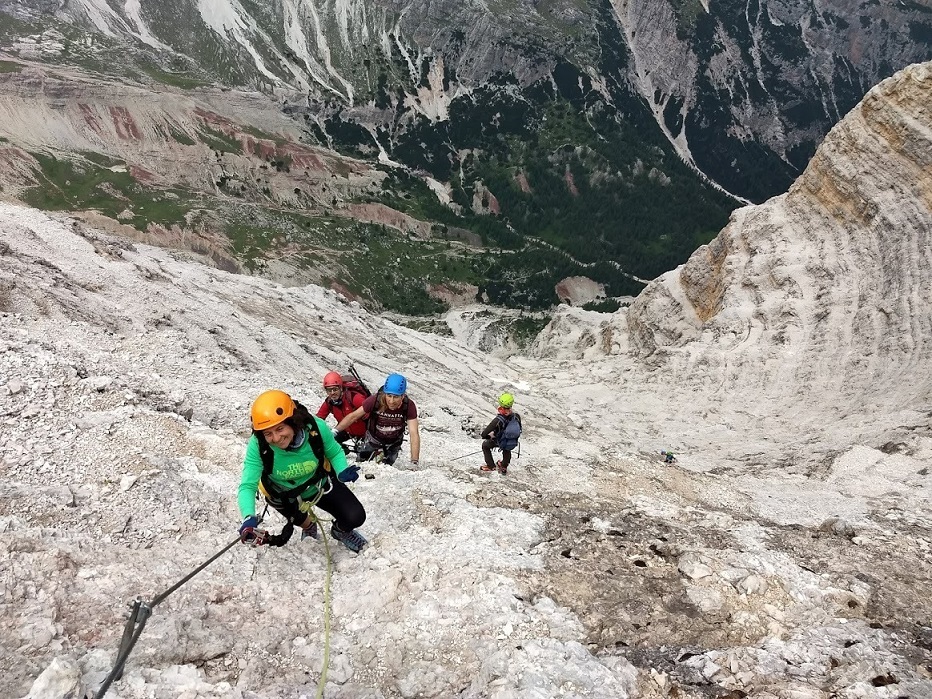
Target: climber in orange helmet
<point>299,465</point>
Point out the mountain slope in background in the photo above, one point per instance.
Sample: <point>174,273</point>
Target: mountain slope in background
<point>725,81</point>
<point>223,173</point>
<point>525,125</point>
<point>786,553</point>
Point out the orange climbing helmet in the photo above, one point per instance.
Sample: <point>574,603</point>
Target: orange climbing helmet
<point>271,408</point>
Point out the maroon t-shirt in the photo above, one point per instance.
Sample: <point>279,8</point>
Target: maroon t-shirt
<point>388,426</point>
<point>350,400</point>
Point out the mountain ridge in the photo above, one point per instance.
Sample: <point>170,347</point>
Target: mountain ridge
<point>789,72</point>
<point>785,553</point>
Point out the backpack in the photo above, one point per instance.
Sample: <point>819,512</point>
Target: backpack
<point>353,383</point>
<point>316,443</point>
<point>509,433</point>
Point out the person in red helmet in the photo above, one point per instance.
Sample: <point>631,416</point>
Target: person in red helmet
<point>340,402</point>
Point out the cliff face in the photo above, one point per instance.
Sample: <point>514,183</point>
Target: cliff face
<point>743,91</point>
<point>824,289</point>
<point>730,82</point>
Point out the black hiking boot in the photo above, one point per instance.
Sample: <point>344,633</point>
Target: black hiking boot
<point>352,539</point>
<point>310,532</point>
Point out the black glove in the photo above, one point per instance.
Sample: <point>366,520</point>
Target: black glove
<point>247,530</point>
<point>349,474</point>
<point>282,538</point>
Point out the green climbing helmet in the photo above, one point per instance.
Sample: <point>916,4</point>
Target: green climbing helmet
<point>506,400</point>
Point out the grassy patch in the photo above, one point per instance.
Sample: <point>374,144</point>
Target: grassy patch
<point>264,135</point>
<point>10,67</point>
<point>219,141</point>
<point>101,159</point>
<point>427,325</point>
<point>12,28</point>
<point>250,242</point>
<point>381,265</point>
<point>181,137</point>
<point>395,270</point>
<point>525,329</point>
<point>67,186</point>
<point>604,306</point>
<point>687,13</point>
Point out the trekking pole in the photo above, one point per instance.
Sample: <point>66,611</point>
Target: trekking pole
<point>472,453</point>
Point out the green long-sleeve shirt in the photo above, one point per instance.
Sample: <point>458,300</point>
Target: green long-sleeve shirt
<point>289,468</point>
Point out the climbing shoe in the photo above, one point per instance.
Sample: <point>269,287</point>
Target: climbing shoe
<point>310,532</point>
<point>501,469</point>
<point>352,539</point>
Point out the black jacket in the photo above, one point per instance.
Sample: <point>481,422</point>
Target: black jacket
<point>491,432</point>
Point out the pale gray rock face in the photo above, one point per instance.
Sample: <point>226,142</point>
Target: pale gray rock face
<point>817,298</point>
<point>784,553</point>
<point>60,680</point>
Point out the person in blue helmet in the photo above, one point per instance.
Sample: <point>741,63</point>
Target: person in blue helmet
<point>388,414</point>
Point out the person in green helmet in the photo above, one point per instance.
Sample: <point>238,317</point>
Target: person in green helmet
<point>502,433</point>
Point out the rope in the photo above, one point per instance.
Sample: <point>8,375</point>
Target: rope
<point>308,508</point>
<point>472,453</point>
<point>140,615</point>
<point>323,675</point>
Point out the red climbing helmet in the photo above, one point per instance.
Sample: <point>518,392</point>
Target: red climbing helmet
<point>333,378</point>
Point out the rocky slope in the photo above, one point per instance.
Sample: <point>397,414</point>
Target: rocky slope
<point>785,554</point>
<point>173,165</point>
<point>221,172</point>
<point>822,287</point>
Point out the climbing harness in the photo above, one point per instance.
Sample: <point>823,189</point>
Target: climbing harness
<point>306,506</point>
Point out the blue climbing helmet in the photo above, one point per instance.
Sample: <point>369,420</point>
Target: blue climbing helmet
<point>395,385</point>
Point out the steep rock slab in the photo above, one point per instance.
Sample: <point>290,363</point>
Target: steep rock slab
<point>826,287</point>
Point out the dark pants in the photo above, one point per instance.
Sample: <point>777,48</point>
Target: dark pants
<point>341,437</point>
<point>339,501</point>
<point>369,448</point>
<point>487,446</point>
